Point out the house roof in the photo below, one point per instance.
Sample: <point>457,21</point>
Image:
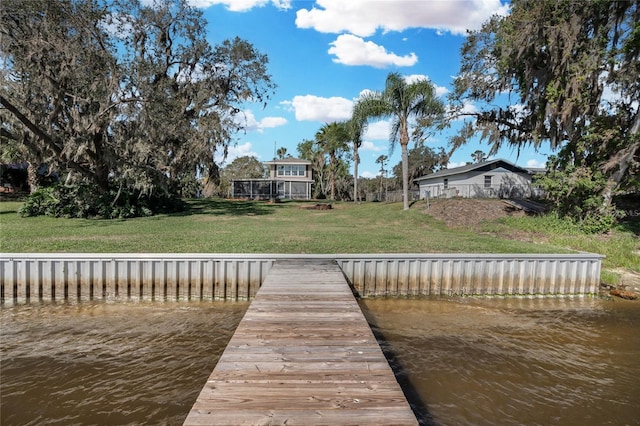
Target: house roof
<point>288,160</point>
<point>482,166</point>
<point>536,170</point>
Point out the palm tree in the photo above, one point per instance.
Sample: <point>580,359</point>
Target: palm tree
<point>356,127</point>
<point>281,152</point>
<point>309,150</point>
<point>478,156</point>
<point>382,160</point>
<point>402,101</point>
<point>333,139</point>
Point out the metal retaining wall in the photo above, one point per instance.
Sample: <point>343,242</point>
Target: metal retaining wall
<point>72,277</point>
<point>473,274</point>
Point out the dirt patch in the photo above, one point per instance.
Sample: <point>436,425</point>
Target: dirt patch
<point>456,212</point>
<point>321,206</point>
<point>624,294</point>
<point>465,213</point>
<point>629,281</point>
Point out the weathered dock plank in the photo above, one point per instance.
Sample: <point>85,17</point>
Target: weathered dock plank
<point>303,354</point>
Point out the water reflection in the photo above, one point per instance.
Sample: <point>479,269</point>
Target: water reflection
<point>515,361</point>
<point>109,363</point>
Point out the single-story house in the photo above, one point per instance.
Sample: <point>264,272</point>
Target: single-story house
<point>289,178</point>
<point>487,179</point>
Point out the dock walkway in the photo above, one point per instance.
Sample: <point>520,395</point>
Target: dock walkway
<point>303,354</point>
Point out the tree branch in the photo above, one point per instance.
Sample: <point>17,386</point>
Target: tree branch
<point>30,124</point>
<point>47,139</point>
<point>492,117</point>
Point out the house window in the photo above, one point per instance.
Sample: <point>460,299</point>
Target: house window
<point>446,183</point>
<point>292,170</point>
<point>487,181</point>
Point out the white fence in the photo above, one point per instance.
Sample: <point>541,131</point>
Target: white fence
<point>71,277</point>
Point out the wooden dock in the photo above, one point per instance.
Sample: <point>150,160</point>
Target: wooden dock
<point>303,354</point>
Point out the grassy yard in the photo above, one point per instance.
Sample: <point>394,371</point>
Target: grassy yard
<point>219,226</point>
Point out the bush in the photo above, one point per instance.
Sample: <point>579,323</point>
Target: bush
<point>599,221</point>
<point>86,201</point>
<point>576,193</point>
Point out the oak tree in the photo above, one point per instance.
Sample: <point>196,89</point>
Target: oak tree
<point>560,72</point>
<point>124,94</point>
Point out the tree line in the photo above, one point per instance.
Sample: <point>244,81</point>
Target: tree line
<point>422,160</point>
<point>129,102</point>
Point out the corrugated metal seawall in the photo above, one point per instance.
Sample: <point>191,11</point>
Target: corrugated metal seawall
<point>70,277</point>
<point>473,274</point>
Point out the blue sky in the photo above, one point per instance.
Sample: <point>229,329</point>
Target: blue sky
<point>324,53</point>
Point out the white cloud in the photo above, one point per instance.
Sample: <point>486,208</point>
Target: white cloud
<point>270,122</point>
<point>440,90</point>
<point>365,17</point>
<point>536,163</point>
<point>365,92</point>
<point>414,78</point>
<point>353,50</point>
<point>370,146</point>
<point>469,108</point>
<point>453,165</point>
<point>324,110</point>
<point>368,175</point>
<point>612,96</point>
<point>234,152</point>
<point>248,119</point>
<point>241,5</point>
<point>378,130</point>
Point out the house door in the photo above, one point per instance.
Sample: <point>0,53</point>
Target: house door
<point>281,190</point>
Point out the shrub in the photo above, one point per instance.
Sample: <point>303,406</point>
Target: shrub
<point>86,201</point>
<point>576,193</point>
<point>598,221</point>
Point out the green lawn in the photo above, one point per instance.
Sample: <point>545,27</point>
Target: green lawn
<point>219,226</point>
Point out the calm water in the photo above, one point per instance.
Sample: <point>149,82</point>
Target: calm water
<point>109,363</point>
<point>462,361</point>
<point>515,361</point>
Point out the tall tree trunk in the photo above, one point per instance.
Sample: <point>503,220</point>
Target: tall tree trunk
<point>404,143</point>
<point>405,175</point>
<point>613,182</point>
<point>356,160</point>
<point>102,169</point>
<point>333,176</point>
<point>622,160</point>
<point>32,176</point>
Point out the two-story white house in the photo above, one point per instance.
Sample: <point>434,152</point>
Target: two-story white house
<point>289,178</point>
<point>488,179</point>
